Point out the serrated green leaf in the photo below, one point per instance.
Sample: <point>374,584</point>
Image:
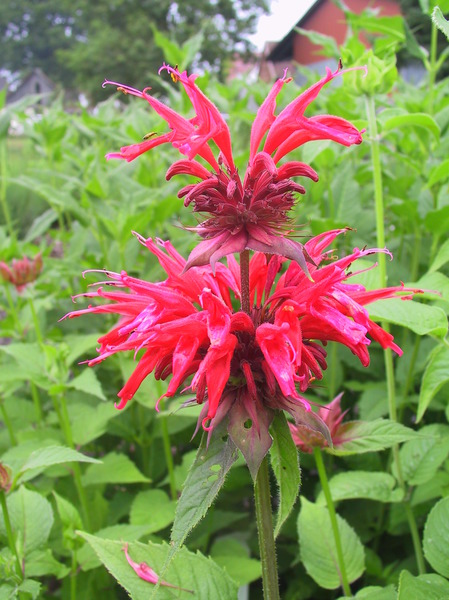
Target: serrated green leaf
<point>88,422</point>
<point>79,345</point>
<point>439,173</point>
<point>437,221</point>
<point>230,554</point>
<point>374,592</point>
<point>436,535</point>
<point>435,376</point>
<point>115,468</point>
<point>69,515</point>
<point>421,458</point>
<point>423,319</point>
<point>440,21</point>
<point>437,285</point>
<point>205,479</point>
<point>356,437</point>
<point>88,383</point>
<point>41,224</point>
<point>285,464</point>
<point>191,571</point>
<point>42,562</point>
<point>152,508</point>
<point>31,587</point>
<point>318,549</point>
<point>422,120</point>
<point>363,484</point>
<point>53,455</point>
<point>88,559</point>
<point>423,587</point>
<point>31,518</point>
<point>433,489</point>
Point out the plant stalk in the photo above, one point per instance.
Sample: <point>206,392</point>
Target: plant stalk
<point>432,66</point>
<point>7,422</point>
<point>3,200</point>
<point>9,533</point>
<point>266,536</point>
<point>262,496</point>
<point>388,356</point>
<point>244,279</point>
<point>333,518</point>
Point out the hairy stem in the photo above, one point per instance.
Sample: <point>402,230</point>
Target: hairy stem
<point>333,517</point>
<point>265,530</point>
<point>244,278</point>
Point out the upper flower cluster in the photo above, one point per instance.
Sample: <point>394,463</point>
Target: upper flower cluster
<point>252,214</point>
<point>253,363</point>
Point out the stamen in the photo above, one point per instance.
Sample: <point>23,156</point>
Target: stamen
<point>173,74</point>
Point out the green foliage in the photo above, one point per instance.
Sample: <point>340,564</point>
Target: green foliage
<point>133,38</point>
<point>317,546</point>
<point>79,465</point>
<point>435,537</point>
<point>191,571</point>
<point>285,465</point>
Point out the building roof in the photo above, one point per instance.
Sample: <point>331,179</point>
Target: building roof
<point>283,50</point>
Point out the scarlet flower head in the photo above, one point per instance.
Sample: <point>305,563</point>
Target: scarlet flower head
<point>241,367</point>
<point>22,271</point>
<point>252,214</point>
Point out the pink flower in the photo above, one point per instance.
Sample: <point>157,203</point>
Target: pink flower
<point>243,367</point>
<point>22,271</point>
<point>146,573</point>
<point>332,415</point>
<point>252,214</point>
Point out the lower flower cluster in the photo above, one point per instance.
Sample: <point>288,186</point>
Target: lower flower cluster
<point>241,366</point>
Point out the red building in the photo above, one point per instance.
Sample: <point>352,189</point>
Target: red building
<point>323,17</point>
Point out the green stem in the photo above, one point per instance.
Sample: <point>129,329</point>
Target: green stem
<point>378,187</point>
<point>265,530</point>
<point>3,200</point>
<point>37,328</point>
<point>13,310</point>
<point>37,402</point>
<point>415,538</point>
<point>333,518</point>
<point>167,452</point>
<point>73,576</point>
<point>9,533</point>
<point>388,356</point>
<point>432,66</point>
<point>7,422</point>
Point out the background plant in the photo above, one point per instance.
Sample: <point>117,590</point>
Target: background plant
<point>58,417</point>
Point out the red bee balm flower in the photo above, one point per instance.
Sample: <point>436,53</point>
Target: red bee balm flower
<point>252,215</point>
<point>244,366</point>
<point>22,271</point>
<point>332,415</point>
